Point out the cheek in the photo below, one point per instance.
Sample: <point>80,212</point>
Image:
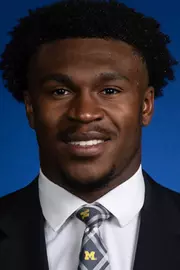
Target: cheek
<point>126,116</point>
<point>46,123</point>
<point>129,139</point>
<point>46,115</point>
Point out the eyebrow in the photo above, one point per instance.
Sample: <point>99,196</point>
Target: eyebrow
<point>67,80</point>
<point>109,76</point>
<point>59,77</point>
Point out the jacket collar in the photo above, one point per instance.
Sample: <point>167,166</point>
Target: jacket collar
<point>159,234</point>
<point>22,238</point>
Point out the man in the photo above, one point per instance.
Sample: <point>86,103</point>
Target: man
<point>88,73</point>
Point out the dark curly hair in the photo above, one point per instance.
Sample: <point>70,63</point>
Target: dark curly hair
<point>86,19</point>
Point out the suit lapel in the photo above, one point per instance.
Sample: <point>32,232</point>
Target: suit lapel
<point>22,243</point>
<point>158,245</point>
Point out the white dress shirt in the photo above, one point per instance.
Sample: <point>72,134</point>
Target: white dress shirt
<point>64,231</point>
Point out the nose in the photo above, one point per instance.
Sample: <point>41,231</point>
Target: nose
<point>85,109</point>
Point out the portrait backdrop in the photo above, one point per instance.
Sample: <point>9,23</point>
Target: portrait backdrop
<point>19,162</point>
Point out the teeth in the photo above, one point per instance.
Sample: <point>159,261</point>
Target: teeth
<point>87,143</point>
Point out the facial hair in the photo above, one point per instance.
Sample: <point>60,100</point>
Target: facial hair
<point>72,183</point>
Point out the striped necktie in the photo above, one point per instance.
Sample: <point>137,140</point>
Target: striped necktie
<point>93,255</point>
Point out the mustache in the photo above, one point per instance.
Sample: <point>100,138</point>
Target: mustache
<point>86,133</point>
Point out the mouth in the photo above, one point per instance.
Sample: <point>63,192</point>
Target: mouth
<point>87,148</point>
<point>86,144</point>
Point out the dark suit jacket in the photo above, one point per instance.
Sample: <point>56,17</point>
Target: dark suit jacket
<point>22,241</point>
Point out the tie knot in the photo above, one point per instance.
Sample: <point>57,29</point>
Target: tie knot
<point>93,215</point>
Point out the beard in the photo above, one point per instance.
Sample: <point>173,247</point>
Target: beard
<point>72,183</point>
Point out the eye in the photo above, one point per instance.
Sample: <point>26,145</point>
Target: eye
<point>61,92</point>
<point>110,91</point>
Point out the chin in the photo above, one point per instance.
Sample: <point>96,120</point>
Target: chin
<point>87,182</point>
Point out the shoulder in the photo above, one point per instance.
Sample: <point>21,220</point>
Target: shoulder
<point>163,195</point>
<point>18,198</point>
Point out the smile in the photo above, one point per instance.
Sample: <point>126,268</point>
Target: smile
<point>88,148</point>
<point>86,143</point>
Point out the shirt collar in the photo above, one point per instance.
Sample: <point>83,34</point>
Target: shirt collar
<point>124,201</point>
<point>57,203</point>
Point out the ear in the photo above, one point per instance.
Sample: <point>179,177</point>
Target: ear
<point>148,106</point>
<point>29,109</point>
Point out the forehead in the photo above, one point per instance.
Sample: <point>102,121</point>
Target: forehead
<point>90,55</point>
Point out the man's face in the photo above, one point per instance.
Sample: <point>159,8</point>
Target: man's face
<point>87,101</point>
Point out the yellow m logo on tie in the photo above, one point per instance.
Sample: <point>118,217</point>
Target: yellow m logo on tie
<point>89,256</point>
<point>84,214</point>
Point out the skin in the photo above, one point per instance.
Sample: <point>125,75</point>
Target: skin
<point>116,107</point>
